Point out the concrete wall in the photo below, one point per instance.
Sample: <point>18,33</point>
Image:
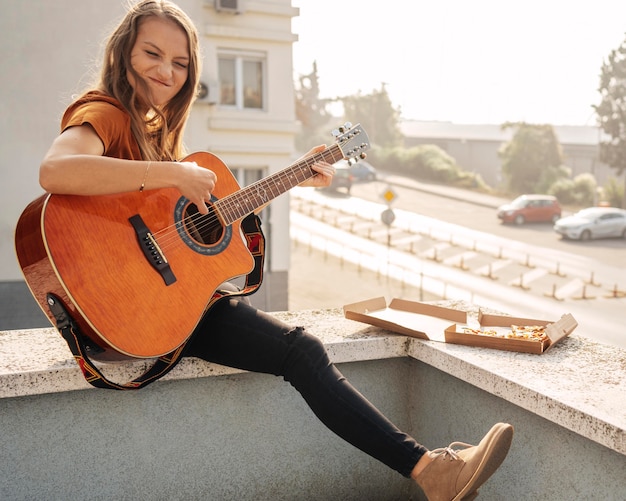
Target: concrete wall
<point>546,461</point>
<point>251,437</point>
<point>239,437</point>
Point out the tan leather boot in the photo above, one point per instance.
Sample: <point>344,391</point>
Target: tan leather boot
<point>455,475</point>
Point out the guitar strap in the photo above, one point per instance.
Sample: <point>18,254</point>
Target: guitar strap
<point>251,226</point>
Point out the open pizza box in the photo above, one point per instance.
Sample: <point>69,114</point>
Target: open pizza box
<point>424,321</point>
<point>494,331</point>
<point>447,325</point>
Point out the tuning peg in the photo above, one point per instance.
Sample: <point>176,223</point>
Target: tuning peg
<point>335,132</point>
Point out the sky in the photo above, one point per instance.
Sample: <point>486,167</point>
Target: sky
<point>464,61</point>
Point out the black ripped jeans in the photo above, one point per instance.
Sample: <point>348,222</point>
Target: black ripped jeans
<point>235,334</point>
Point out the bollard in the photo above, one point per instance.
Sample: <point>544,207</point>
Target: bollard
<point>616,293</point>
<point>553,294</point>
<point>521,283</point>
<point>584,294</point>
<point>557,272</point>
<point>591,280</point>
<point>462,265</point>
<point>421,287</point>
<point>490,274</point>
<point>527,263</point>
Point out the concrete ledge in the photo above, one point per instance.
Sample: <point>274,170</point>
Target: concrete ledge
<point>38,361</point>
<point>579,384</point>
<point>566,404</point>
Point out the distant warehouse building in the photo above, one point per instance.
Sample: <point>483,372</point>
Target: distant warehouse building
<point>475,147</point>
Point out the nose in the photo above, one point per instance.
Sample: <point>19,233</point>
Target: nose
<point>165,71</point>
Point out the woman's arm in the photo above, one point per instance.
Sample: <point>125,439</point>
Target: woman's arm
<point>74,165</point>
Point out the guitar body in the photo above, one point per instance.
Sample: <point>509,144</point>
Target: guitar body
<point>136,271</point>
<point>110,276</point>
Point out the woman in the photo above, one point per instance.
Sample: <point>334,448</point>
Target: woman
<point>126,135</point>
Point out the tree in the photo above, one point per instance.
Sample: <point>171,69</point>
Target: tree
<point>377,115</point>
<point>311,111</point>
<point>532,152</point>
<point>611,112</point>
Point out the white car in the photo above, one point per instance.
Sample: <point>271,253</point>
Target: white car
<point>594,222</point>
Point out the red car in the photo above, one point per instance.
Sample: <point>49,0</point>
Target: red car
<point>531,209</point>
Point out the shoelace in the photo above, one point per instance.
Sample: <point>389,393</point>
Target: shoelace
<point>449,452</point>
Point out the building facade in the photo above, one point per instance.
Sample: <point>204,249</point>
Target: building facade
<point>51,52</point>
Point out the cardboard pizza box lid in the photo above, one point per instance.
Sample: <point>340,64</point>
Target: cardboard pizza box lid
<point>411,318</point>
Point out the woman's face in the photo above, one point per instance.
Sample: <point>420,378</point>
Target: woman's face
<point>161,57</point>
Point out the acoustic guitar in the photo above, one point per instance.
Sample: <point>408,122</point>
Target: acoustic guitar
<point>136,271</point>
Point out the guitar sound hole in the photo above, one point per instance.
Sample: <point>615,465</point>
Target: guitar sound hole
<point>205,229</point>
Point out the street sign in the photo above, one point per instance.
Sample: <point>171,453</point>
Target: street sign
<point>389,195</point>
<point>387,217</point>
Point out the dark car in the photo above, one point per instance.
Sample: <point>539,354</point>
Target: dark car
<point>531,209</point>
<point>342,178</point>
<point>361,171</point>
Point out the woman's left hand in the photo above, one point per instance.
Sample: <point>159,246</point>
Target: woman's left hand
<point>325,171</point>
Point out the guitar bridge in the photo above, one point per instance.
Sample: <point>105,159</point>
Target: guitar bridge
<point>151,250</point>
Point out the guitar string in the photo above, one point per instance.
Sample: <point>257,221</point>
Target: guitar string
<point>165,236</point>
<point>237,203</point>
<point>212,218</point>
<point>235,200</point>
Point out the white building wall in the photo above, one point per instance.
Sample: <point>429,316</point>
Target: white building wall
<point>49,51</point>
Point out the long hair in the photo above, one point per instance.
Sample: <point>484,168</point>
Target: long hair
<point>159,132</point>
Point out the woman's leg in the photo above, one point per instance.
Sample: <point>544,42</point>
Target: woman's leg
<point>237,335</point>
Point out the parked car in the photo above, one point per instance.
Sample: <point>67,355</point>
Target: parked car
<point>594,222</point>
<point>342,178</point>
<point>361,171</point>
<point>531,209</point>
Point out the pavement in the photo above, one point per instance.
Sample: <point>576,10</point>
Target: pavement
<point>451,192</point>
<point>319,280</point>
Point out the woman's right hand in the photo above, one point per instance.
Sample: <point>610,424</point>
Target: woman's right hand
<point>196,184</point>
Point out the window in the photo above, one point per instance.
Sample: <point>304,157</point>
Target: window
<point>241,80</point>
<point>246,177</point>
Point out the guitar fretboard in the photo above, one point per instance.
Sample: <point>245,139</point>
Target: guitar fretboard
<point>241,203</point>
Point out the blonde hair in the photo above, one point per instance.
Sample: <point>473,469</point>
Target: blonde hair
<point>159,133</point>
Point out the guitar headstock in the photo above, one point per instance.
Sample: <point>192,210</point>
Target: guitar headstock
<point>352,141</point>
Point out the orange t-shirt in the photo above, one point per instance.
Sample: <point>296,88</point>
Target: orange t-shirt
<point>110,121</point>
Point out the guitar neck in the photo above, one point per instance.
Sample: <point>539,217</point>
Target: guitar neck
<point>241,203</point>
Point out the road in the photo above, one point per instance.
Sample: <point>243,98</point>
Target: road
<point>483,218</point>
<point>516,275</point>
